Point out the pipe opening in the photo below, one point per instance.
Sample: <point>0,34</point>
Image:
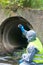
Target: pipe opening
<point>11,35</point>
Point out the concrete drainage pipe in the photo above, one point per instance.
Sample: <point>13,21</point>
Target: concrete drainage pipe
<point>11,36</point>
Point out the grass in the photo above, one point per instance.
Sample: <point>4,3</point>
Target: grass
<point>38,4</point>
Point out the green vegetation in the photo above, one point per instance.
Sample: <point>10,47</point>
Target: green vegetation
<point>22,3</point>
<point>37,4</point>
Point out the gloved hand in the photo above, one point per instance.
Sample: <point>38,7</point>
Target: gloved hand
<point>30,35</point>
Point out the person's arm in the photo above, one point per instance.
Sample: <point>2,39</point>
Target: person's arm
<point>32,51</point>
<point>28,57</point>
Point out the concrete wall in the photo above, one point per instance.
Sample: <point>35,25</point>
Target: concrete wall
<point>35,17</point>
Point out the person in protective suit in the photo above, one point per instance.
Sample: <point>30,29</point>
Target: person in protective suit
<point>34,50</point>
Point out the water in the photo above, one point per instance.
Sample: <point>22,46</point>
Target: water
<point>8,60</point>
<point>4,64</point>
<point>11,59</point>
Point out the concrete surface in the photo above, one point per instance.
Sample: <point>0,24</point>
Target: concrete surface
<point>35,17</point>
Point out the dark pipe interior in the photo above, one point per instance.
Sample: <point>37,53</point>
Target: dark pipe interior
<point>15,36</point>
<point>9,29</point>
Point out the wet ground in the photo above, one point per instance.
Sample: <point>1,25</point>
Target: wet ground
<point>7,60</point>
<point>11,59</point>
